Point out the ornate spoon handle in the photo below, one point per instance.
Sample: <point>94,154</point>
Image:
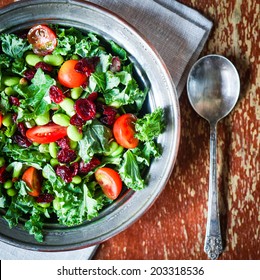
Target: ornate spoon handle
<point>213,241</point>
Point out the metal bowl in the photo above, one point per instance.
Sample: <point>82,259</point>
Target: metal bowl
<point>151,71</point>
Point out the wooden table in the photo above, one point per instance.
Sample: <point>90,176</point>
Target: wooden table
<point>174,227</point>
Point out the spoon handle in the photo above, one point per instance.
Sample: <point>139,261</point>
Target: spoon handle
<point>213,241</point>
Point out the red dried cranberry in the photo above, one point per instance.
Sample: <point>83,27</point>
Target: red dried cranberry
<point>66,155</point>
<point>44,66</point>
<point>3,174</point>
<point>86,167</point>
<point>21,128</point>
<point>56,94</point>
<point>22,141</point>
<point>44,198</point>
<point>64,142</point>
<point>74,168</point>
<point>85,108</point>
<point>116,64</point>
<point>93,96</point>
<point>109,115</point>
<point>64,172</point>
<point>29,74</point>
<point>14,117</point>
<point>14,100</point>
<point>76,120</point>
<point>87,65</point>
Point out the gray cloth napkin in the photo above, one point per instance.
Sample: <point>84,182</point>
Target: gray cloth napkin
<point>179,34</point>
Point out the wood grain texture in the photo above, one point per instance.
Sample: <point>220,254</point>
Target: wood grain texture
<point>174,227</point>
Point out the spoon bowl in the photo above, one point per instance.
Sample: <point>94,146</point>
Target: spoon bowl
<point>213,89</point>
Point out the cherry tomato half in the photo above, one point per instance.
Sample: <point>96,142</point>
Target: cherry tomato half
<point>69,77</point>
<point>46,133</point>
<point>43,39</point>
<point>31,178</point>
<point>1,119</point>
<point>124,131</point>
<point>110,182</point>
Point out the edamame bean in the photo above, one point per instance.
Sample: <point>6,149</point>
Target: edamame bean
<point>54,60</point>
<point>8,184</point>
<point>7,120</point>
<point>9,91</point>
<point>67,105</point>
<point>75,56</point>
<point>117,152</point>
<point>73,144</point>
<point>73,133</point>
<point>44,204</point>
<point>76,179</point>
<point>43,119</point>
<point>2,161</point>
<point>53,149</point>
<point>112,147</point>
<point>76,92</point>
<point>11,192</point>
<point>32,59</point>
<point>54,162</point>
<point>61,119</point>
<point>43,148</point>
<point>10,81</point>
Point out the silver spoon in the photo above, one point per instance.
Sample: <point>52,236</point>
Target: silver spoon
<point>213,88</point>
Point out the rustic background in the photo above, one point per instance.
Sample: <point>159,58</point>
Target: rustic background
<point>174,227</point>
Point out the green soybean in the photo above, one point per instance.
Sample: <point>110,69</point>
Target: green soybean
<point>73,144</point>
<point>43,119</point>
<point>75,56</point>
<point>112,147</point>
<point>11,192</point>
<point>76,92</point>
<point>8,184</point>
<point>10,81</point>
<point>7,120</point>
<point>44,204</point>
<point>2,161</point>
<point>117,152</point>
<point>9,91</point>
<point>67,105</point>
<point>53,149</point>
<point>76,179</point>
<point>54,162</point>
<point>61,119</point>
<point>32,59</point>
<point>54,60</point>
<point>73,133</point>
<point>43,148</point>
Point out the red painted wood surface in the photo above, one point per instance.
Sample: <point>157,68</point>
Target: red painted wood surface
<point>174,227</point>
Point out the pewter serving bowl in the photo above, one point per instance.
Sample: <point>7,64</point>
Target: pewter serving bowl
<point>151,71</point>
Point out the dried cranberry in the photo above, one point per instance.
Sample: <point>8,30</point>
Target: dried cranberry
<point>109,115</point>
<point>116,64</point>
<point>65,173</point>
<point>21,128</point>
<point>22,141</point>
<point>29,74</point>
<point>66,155</point>
<point>76,120</point>
<point>44,198</point>
<point>93,96</point>
<point>44,66</point>
<point>14,117</point>
<point>3,174</point>
<point>14,100</point>
<point>74,168</point>
<point>87,65</point>
<point>64,142</point>
<point>86,167</point>
<point>56,94</point>
<point>85,108</point>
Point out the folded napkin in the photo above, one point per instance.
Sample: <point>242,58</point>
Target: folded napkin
<point>179,34</point>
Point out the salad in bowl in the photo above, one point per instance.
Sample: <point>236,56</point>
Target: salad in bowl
<point>73,133</point>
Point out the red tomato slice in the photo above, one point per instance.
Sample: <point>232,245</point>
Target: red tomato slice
<point>69,77</point>
<point>1,119</point>
<point>124,131</point>
<point>31,178</point>
<point>43,39</point>
<point>46,133</point>
<point>110,182</point>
